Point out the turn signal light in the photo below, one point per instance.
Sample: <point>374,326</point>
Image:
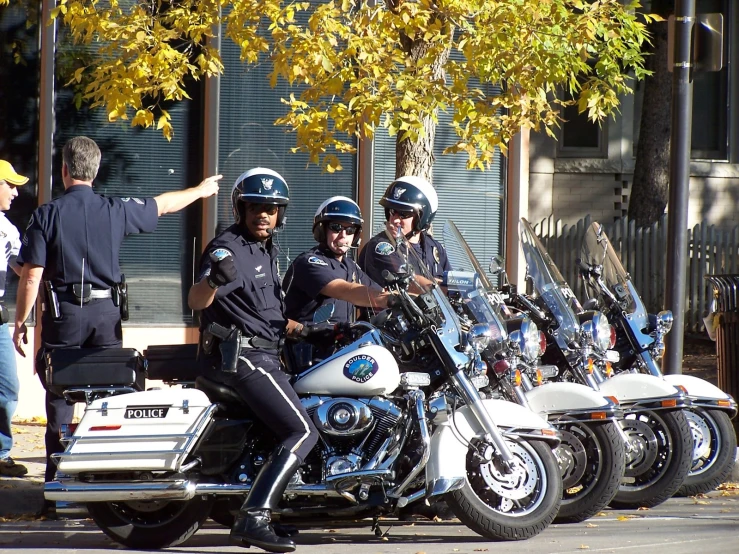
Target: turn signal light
<point>609,369</point>
<point>724,403</point>
<point>591,365</point>
<point>672,403</point>
<point>517,378</point>
<point>549,432</point>
<point>105,428</point>
<point>598,415</point>
<point>542,343</point>
<point>613,336</point>
<point>539,377</point>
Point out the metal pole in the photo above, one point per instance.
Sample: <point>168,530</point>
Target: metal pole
<point>677,219</point>
<point>210,147</point>
<point>47,38</point>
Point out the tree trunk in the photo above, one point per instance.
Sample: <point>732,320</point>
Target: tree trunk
<point>417,157</point>
<point>650,188</point>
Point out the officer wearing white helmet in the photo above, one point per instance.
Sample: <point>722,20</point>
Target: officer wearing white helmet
<point>410,206</point>
<point>325,274</point>
<point>239,286</point>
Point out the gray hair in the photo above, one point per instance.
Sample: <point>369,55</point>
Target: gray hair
<point>82,158</point>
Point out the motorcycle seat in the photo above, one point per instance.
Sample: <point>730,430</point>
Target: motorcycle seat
<point>225,395</point>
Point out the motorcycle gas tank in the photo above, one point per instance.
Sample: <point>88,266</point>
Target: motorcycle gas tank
<point>365,371</point>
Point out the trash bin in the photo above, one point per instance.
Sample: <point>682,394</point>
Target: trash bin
<point>726,293</point>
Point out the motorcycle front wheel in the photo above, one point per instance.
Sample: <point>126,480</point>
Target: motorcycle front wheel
<point>658,458</point>
<point>714,450</point>
<point>509,506</point>
<point>150,524</point>
<point>592,461</point>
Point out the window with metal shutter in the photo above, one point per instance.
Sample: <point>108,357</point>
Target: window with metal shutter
<point>474,200</point>
<point>249,138</point>
<point>139,162</point>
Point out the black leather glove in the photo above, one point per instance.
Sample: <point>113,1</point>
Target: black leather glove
<point>222,268</point>
<point>317,331</point>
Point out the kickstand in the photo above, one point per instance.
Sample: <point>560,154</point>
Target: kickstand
<point>379,532</point>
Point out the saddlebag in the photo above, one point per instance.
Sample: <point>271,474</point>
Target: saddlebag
<point>93,369</point>
<point>173,363</point>
<point>154,430</point>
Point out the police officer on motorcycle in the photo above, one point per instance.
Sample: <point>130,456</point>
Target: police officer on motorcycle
<point>410,206</point>
<point>242,325</point>
<point>325,274</point>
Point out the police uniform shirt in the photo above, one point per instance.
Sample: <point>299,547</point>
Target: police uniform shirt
<point>380,253</point>
<point>253,301</point>
<point>82,225</point>
<point>10,242</point>
<point>309,274</point>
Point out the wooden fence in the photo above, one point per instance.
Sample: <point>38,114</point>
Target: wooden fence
<point>643,252</point>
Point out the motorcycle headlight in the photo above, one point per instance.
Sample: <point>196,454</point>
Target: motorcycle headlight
<point>664,321</point>
<point>528,340</point>
<point>478,338</point>
<point>599,332</point>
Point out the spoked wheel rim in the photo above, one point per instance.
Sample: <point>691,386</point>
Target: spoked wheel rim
<point>649,449</point>
<point>580,459</point>
<point>149,513</point>
<point>706,441</point>
<point>512,494</point>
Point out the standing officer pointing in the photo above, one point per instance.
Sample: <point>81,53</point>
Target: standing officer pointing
<point>72,244</point>
<point>410,205</point>
<point>239,293</point>
<point>325,274</point>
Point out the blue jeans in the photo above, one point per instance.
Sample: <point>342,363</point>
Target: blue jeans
<point>8,389</point>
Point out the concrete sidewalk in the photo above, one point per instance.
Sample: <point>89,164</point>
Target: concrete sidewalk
<point>22,497</point>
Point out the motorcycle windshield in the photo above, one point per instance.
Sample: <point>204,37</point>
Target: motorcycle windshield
<point>550,286</point>
<point>596,249</point>
<point>479,300</point>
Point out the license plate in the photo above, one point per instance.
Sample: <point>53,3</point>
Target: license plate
<point>146,412</point>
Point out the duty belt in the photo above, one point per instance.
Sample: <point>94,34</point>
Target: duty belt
<point>259,342</point>
<point>94,294</point>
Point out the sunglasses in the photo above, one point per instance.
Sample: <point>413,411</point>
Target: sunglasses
<point>400,214</point>
<point>269,209</point>
<point>338,228</point>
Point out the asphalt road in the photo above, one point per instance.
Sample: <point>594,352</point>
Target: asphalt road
<point>680,526</point>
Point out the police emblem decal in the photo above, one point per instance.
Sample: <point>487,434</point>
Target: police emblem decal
<point>138,201</point>
<point>384,248</point>
<point>361,369</point>
<point>398,192</point>
<point>219,254</point>
<point>436,255</point>
<point>126,199</point>
<point>267,183</point>
<point>316,261</point>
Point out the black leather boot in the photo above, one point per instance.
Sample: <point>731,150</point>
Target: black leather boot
<point>253,526</point>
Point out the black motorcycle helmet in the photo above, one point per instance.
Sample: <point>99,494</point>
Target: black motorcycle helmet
<point>260,186</point>
<point>337,208</point>
<point>412,194</point>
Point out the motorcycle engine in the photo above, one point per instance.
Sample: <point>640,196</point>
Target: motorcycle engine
<point>352,429</point>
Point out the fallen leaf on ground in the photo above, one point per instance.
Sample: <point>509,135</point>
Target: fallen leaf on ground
<point>590,525</point>
<point>624,518</point>
<point>584,547</point>
<point>642,508</point>
<point>601,514</point>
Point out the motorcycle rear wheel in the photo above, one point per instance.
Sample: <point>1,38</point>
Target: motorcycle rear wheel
<point>509,507</point>
<point>595,456</point>
<point>150,524</point>
<point>714,450</point>
<point>659,459</point>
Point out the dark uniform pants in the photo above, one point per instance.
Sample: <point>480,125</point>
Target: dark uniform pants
<point>266,389</point>
<point>97,324</point>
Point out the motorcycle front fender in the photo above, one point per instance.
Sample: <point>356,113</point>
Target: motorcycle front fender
<point>703,394</point>
<point>447,465</point>
<point>645,390</point>
<point>579,401</point>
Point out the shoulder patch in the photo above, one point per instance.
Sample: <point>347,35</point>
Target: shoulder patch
<point>125,199</point>
<point>138,201</point>
<point>384,248</point>
<point>219,253</point>
<point>316,261</point>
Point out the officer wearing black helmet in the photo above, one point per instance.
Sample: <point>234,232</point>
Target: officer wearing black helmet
<point>325,274</point>
<point>239,292</point>
<point>410,206</point>
<point>72,244</point>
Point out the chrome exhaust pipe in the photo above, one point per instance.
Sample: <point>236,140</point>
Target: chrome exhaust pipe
<point>76,491</point>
